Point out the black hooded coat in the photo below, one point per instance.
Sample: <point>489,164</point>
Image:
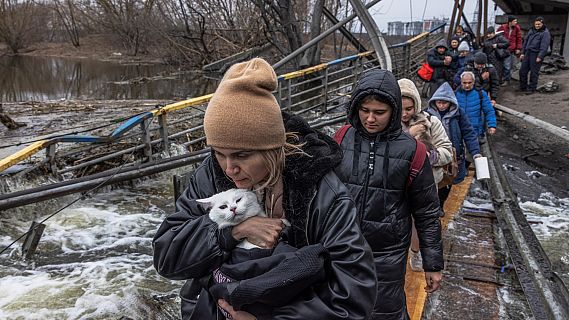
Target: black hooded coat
<point>375,169</point>
<point>441,72</point>
<point>317,204</point>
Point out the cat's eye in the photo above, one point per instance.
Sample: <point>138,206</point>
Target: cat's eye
<point>223,207</point>
<point>237,201</point>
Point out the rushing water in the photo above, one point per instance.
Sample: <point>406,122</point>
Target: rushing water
<point>47,78</point>
<point>94,260</point>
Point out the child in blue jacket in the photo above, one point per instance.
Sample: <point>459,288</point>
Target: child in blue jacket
<point>443,105</point>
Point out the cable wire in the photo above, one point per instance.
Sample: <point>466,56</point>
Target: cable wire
<point>82,197</point>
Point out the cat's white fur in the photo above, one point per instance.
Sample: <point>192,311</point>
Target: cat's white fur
<point>231,207</point>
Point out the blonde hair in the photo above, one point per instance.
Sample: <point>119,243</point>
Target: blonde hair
<point>274,159</point>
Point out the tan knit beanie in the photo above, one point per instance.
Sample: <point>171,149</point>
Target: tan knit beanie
<point>243,113</point>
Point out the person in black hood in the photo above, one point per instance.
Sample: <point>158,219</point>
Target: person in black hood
<point>375,168</point>
<point>444,65</point>
<point>290,167</point>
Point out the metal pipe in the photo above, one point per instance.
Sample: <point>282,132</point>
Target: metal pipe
<point>314,41</point>
<point>353,40</point>
<point>452,18</point>
<point>561,133</point>
<point>530,261</point>
<point>379,44</point>
<point>34,195</point>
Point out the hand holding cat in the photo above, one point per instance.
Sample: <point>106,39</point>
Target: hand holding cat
<point>260,231</point>
<point>417,129</point>
<point>236,315</point>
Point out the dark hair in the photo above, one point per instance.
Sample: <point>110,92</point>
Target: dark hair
<point>540,19</point>
<point>374,97</point>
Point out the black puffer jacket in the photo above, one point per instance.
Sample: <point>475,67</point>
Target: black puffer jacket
<point>436,60</point>
<point>187,245</point>
<point>375,169</point>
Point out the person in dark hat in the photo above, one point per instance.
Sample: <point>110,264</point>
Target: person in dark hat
<point>495,46</point>
<point>513,33</point>
<point>536,47</point>
<point>485,74</point>
<point>467,36</point>
<point>289,166</point>
<point>444,65</point>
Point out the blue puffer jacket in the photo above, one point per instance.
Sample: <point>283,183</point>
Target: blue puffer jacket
<point>476,104</point>
<point>457,127</point>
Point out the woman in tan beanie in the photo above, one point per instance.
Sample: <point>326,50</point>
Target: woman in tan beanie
<point>256,146</point>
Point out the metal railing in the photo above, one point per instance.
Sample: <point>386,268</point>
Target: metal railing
<point>407,57</point>
<point>311,92</point>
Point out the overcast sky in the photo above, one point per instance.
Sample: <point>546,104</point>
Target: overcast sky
<point>400,10</point>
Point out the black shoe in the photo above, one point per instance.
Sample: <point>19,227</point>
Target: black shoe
<point>522,90</point>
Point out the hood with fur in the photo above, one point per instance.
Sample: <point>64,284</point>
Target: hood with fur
<point>409,90</point>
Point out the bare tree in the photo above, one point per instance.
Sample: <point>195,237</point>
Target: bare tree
<point>280,21</point>
<point>312,55</point>
<point>67,14</point>
<point>205,31</point>
<point>128,19</point>
<point>17,23</point>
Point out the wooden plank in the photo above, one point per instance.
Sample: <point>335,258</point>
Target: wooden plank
<point>415,281</point>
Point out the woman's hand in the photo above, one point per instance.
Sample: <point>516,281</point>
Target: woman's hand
<point>236,315</point>
<point>433,281</point>
<point>417,129</point>
<point>260,231</point>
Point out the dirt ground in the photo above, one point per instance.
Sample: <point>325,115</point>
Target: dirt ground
<point>96,47</point>
<point>550,107</point>
<point>525,147</point>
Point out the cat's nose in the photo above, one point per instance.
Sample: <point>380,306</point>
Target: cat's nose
<point>233,209</point>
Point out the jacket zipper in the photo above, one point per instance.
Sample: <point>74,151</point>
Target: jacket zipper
<point>369,171</point>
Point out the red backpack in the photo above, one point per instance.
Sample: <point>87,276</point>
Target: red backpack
<point>416,163</point>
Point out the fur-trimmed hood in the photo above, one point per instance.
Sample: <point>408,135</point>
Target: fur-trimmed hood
<point>301,174</point>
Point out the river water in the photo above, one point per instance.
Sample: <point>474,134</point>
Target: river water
<point>94,260</point>
<point>47,78</point>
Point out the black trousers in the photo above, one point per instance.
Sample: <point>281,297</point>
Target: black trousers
<point>443,195</point>
<point>529,65</point>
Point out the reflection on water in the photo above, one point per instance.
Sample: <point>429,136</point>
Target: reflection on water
<point>46,78</point>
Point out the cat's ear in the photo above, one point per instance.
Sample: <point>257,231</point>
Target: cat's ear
<point>206,203</point>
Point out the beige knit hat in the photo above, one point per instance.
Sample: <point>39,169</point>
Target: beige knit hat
<point>409,90</point>
<point>243,113</point>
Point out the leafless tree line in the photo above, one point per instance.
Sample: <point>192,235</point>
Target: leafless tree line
<point>181,31</point>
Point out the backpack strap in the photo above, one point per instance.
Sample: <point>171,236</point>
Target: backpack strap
<point>339,135</point>
<point>417,162</point>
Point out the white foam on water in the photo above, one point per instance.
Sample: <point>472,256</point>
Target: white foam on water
<point>535,174</point>
<point>549,214</point>
<point>94,259</point>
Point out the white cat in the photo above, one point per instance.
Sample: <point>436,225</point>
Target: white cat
<point>231,207</point>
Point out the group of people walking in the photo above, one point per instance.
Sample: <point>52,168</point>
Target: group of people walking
<point>357,206</point>
<point>492,58</point>
<point>362,203</point>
